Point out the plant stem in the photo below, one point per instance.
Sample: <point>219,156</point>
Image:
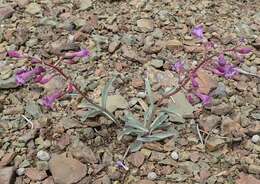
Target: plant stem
<point>103,110</point>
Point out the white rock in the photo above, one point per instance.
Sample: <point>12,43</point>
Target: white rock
<point>20,171</point>
<point>175,155</point>
<point>43,155</point>
<point>152,176</point>
<point>255,138</point>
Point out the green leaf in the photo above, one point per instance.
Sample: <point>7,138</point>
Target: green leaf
<point>155,137</point>
<point>159,120</point>
<point>149,91</point>
<point>129,131</point>
<point>130,121</point>
<point>148,115</point>
<point>172,90</point>
<point>136,146</point>
<point>90,114</point>
<point>105,92</point>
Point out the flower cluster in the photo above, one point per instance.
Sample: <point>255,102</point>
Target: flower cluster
<point>40,75</point>
<point>221,67</point>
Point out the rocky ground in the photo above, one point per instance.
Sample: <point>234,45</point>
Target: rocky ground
<point>127,38</point>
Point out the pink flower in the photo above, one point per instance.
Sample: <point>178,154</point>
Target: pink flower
<point>23,76</point>
<point>81,53</point>
<point>206,100</point>
<point>48,101</point>
<point>244,50</point>
<point>197,31</point>
<point>194,83</point>
<point>14,54</point>
<point>178,66</point>
<point>43,79</point>
<point>228,71</point>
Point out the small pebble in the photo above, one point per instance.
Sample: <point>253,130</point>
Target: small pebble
<point>152,176</point>
<point>256,138</point>
<point>20,171</point>
<point>174,155</point>
<point>43,155</point>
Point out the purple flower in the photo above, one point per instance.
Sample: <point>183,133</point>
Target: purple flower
<point>120,164</point>
<point>81,53</point>
<point>48,101</point>
<point>221,60</point>
<point>23,76</point>
<point>206,100</point>
<point>228,71</point>
<point>14,54</point>
<point>178,66</point>
<point>70,88</point>
<point>38,70</point>
<point>194,83</point>
<point>244,50</point>
<point>197,31</point>
<point>43,79</point>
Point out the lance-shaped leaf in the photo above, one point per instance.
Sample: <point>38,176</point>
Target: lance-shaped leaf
<point>148,115</point>
<point>128,131</point>
<point>156,137</point>
<point>105,92</point>
<point>136,146</point>
<point>130,121</point>
<point>149,92</point>
<point>159,120</point>
<point>90,114</point>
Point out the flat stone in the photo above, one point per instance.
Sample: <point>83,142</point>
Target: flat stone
<point>209,122</point>
<point>254,169</point>
<point>85,4</point>
<point>9,83</point>
<point>145,25</point>
<point>6,11</point>
<point>7,175</point>
<point>33,8</point>
<point>173,44</point>
<point>221,109</point>
<point>157,63</point>
<point>157,156</point>
<point>137,159</point>
<point>214,143</point>
<point>66,170</point>
<point>35,175</point>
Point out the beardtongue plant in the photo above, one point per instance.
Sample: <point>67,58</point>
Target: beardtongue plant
<point>155,121</point>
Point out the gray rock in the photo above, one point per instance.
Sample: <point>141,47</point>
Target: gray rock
<point>157,63</point>
<point>128,39</point>
<point>33,8</point>
<point>7,175</point>
<point>85,4</point>
<point>28,136</point>
<point>255,138</point>
<point>20,171</point>
<point>145,25</point>
<point>6,11</point>
<point>152,176</point>
<point>8,83</point>
<point>33,109</point>
<point>221,109</point>
<point>43,155</point>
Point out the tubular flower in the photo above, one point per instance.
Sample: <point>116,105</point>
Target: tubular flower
<point>244,50</point>
<point>178,66</point>
<point>206,99</point>
<point>221,60</point>
<point>81,53</point>
<point>14,54</point>
<point>48,101</point>
<point>23,76</point>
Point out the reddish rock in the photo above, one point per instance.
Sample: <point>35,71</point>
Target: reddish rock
<point>66,170</point>
<point>35,175</point>
<point>137,82</point>
<point>137,159</point>
<point>7,175</point>
<point>6,12</point>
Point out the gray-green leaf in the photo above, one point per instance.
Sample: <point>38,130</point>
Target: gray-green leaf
<point>156,137</point>
<point>105,92</point>
<point>159,120</point>
<point>130,121</point>
<point>136,146</point>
